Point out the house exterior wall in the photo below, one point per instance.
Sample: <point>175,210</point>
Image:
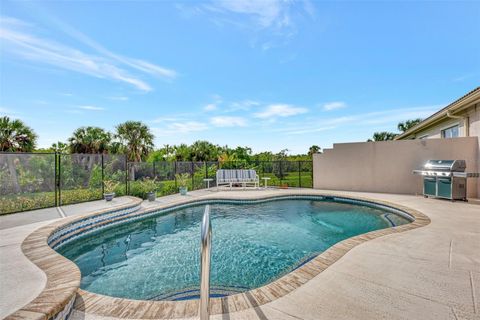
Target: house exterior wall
<point>474,116</point>
<point>435,132</point>
<point>386,166</point>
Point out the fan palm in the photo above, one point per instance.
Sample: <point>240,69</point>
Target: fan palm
<point>182,152</point>
<point>313,149</point>
<point>203,151</point>
<point>15,136</point>
<point>404,126</point>
<point>89,140</point>
<point>137,139</point>
<point>383,136</point>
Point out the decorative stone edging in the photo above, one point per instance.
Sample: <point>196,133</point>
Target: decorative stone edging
<point>67,277</point>
<point>56,300</point>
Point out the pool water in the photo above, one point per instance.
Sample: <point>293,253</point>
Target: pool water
<point>252,244</point>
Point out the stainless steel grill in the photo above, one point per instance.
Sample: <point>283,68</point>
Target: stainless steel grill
<point>445,179</point>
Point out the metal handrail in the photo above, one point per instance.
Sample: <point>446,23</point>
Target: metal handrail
<point>206,243</point>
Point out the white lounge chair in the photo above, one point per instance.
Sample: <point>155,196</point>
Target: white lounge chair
<point>236,176</point>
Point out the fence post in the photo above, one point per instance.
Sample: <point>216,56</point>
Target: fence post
<point>193,179</point>
<point>206,170</point>
<point>126,176</point>
<point>59,180</point>
<point>55,180</point>
<point>299,174</point>
<point>175,175</point>
<point>103,177</point>
<point>153,164</point>
<point>281,172</point>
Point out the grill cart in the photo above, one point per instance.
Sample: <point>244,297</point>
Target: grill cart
<point>445,179</point>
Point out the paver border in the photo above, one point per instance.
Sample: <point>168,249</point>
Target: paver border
<point>63,276</point>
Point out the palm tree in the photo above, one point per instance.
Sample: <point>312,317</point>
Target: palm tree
<point>383,136</point>
<point>59,147</point>
<point>182,152</point>
<point>203,151</point>
<point>137,139</point>
<point>89,140</point>
<point>313,149</point>
<point>404,126</point>
<point>15,136</point>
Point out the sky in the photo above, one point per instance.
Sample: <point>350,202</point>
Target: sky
<point>267,74</point>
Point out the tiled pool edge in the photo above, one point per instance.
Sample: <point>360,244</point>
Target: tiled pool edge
<point>57,298</point>
<point>108,306</point>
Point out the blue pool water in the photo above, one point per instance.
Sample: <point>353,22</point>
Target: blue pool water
<point>253,244</point>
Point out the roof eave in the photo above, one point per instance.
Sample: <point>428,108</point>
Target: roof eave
<point>464,102</point>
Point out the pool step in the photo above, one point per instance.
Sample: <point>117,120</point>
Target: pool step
<point>194,293</point>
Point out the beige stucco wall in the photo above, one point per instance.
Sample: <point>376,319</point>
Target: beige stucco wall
<point>387,166</point>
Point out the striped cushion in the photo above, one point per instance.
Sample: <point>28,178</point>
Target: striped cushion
<point>232,175</point>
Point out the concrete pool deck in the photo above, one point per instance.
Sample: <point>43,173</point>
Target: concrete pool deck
<point>428,273</point>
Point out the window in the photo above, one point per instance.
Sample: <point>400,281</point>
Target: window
<point>451,132</point>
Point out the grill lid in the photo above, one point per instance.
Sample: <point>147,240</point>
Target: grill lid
<point>445,165</point>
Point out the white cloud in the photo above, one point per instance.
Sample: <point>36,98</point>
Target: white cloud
<point>138,64</point>
<point>280,110</point>
<point>377,118</point>
<point>243,105</point>
<point>266,12</point>
<point>186,127</point>
<point>166,119</point>
<point>210,107</point>
<point>119,98</point>
<point>319,129</point>
<point>106,65</point>
<point>217,98</point>
<point>334,105</point>
<point>147,67</point>
<point>91,108</point>
<point>4,20</point>
<point>226,121</point>
<point>271,22</point>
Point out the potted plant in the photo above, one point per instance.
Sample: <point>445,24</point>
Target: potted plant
<point>182,180</point>
<point>284,185</point>
<point>150,188</point>
<point>109,188</point>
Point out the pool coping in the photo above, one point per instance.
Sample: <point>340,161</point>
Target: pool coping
<point>56,300</point>
<point>63,276</point>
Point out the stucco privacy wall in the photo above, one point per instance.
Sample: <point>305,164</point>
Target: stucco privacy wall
<point>387,166</point>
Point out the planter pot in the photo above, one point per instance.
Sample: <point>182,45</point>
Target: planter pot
<point>284,186</point>
<point>183,191</point>
<point>109,196</point>
<point>151,196</point>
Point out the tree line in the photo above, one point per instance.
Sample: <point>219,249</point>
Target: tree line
<point>136,141</point>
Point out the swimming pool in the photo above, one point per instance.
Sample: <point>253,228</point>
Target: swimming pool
<point>254,243</point>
